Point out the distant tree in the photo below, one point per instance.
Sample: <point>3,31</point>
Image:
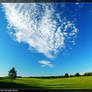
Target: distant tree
<point>12,74</point>
<point>71,75</point>
<point>88,74</point>
<point>66,75</point>
<point>77,74</point>
<point>19,76</point>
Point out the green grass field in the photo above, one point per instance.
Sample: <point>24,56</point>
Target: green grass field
<point>59,83</point>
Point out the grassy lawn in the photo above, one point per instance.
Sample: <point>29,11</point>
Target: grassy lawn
<point>59,83</point>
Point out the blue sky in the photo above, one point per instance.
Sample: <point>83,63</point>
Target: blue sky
<point>78,59</point>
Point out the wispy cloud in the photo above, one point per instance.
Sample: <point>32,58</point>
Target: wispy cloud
<point>45,63</point>
<point>39,26</point>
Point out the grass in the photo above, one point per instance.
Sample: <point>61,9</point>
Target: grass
<point>59,83</point>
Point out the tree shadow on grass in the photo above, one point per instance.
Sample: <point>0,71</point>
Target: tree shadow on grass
<point>13,85</point>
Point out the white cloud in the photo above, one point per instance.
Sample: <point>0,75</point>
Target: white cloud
<point>38,26</point>
<point>45,63</point>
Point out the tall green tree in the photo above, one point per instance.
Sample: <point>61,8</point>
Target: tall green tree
<point>12,74</point>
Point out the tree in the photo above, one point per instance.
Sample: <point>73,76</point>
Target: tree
<point>66,75</point>
<point>77,74</point>
<point>71,75</point>
<point>88,74</point>
<point>12,74</point>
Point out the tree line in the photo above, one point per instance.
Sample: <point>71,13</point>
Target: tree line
<point>12,74</point>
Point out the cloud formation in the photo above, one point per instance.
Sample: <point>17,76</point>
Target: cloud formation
<point>39,26</point>
<point>45,63</point>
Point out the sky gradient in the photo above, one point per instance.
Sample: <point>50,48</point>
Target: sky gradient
<point>27,61</point>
